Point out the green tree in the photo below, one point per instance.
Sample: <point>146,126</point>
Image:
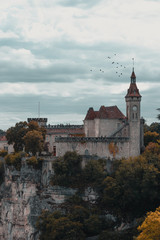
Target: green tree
<point>34,142</point>
<point>150,228</point>
<point>132,189</point>
<point>67,170</point>
<point>55,226</point>
<point>158,116</point>
<point>94,173</point>
<point>16,134</point>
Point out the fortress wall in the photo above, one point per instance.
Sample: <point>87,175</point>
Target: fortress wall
<point>100,149</point>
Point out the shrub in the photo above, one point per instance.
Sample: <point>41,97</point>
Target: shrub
<point>14,159</point>
<point>35,162</point>
<point>3,153</point>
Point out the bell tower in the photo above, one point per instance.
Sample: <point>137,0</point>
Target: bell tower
<point>133,100</point>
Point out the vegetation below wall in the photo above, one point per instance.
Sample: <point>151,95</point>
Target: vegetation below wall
<point>68,172</point>
<point>128,193</point>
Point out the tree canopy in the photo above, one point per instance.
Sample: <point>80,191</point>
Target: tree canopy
<point>23,134</point>
<point>133,189</point>
<point>150,228</point>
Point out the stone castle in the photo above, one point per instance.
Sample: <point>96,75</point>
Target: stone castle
<point>106,133</point>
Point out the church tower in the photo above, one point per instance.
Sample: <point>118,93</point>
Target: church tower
<point>133,100</point>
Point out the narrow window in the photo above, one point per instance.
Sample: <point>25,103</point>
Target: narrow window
<point>118,125</point>
<point>133,115</point>
<point>54,150</point>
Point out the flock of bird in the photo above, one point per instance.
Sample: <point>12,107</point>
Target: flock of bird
<point>118,67</point>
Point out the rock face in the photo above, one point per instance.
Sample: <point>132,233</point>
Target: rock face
<point>22,198</point>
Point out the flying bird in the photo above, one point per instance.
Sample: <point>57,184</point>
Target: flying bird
<point>112,62</point>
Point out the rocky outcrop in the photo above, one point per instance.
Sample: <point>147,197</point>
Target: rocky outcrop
<point>22,198</point>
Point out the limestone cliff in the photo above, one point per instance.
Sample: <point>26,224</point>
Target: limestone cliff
<point>22,198</point>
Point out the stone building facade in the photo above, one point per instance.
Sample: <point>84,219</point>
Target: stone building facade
<point>106,133</point>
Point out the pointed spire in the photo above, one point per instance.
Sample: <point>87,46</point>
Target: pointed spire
<point>133,77</point>
<point>133,90</point>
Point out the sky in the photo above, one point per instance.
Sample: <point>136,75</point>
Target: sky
<point>59,55</point>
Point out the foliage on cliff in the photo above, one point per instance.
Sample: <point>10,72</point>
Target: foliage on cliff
<point>14,159</point>
<point>28,135</point>
<point>68,172</point>
<point>150,228</point>
<point>78,222</point>
<point>35,162</point>
<point>151,133</point>
<point>56,226</point>
<point>133,187</point>
<point>131,190</point>
<point>3,153</point>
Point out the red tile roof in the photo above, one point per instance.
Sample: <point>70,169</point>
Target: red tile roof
<point>112,112</point>
<point>3,138</point>
<point>133,91</point>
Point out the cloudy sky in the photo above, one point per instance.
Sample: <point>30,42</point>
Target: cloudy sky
<point>56,52</point>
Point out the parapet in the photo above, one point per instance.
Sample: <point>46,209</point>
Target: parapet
<point>64,126</point>
<point>91,139</point>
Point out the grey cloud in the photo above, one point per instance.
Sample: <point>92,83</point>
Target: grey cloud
<point>79,3</point>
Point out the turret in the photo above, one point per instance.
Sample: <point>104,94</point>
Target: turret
<point>133,99</point>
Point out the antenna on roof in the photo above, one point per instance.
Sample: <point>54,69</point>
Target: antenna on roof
<point>133,63</point>
<point>38,109</point>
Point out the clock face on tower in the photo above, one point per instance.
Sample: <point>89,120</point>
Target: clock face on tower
<point>134,108</point>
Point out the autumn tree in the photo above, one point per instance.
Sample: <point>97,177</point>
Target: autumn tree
<point>151,137</point>
<point>14,159</point>
<point>33,141</point>
<point>16,135</point>
<point>150,228</point>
